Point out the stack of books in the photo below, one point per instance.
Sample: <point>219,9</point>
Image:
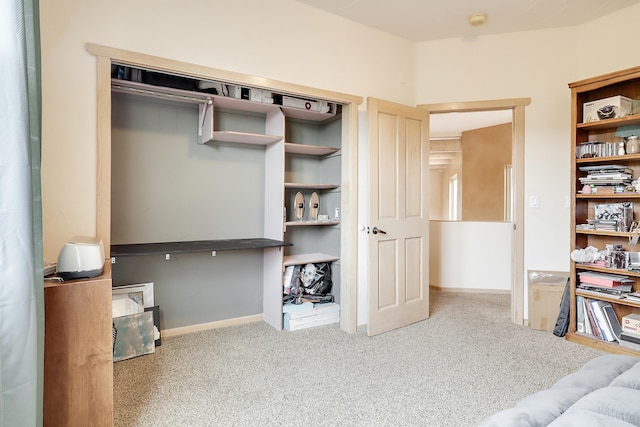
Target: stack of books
<point>630,335</point>
<point>597,318</point>
<point>607,178</point>
<point>613,284</point>
<point>307,315</point>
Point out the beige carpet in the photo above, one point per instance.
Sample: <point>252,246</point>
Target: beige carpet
<point>462,364</point>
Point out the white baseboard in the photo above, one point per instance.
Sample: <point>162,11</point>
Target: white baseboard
<point>212,325</point>
<point>470,290</point>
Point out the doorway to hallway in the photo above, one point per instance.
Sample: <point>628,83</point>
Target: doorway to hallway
<point>516,108</point>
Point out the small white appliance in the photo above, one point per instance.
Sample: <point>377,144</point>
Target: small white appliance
<point>81,258</point>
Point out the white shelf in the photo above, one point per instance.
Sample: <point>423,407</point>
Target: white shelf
<point>312,258</point>
<point>310,186</point>
<point>160,92</point>
<point>310,223</point>
<point>298,113</point>
<point>242,138</point>
<point>313,150</point>
<point>181,95</point>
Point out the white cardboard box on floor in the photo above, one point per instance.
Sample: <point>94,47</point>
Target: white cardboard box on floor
<point>545,295</point>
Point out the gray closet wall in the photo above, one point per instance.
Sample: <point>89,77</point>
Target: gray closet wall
<point>165,188</point>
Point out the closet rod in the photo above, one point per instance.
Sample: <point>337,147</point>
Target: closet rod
<point>123,86</point>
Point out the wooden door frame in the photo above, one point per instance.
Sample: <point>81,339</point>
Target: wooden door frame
<point>105,56</point>
<point>516,105</point>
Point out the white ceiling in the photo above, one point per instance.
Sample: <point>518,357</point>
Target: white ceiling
<point>451,125</point>
<point>422,20</point>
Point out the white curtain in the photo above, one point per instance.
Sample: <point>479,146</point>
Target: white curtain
<point>21,283</point>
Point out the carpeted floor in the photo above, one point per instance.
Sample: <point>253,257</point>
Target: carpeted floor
<point>462,364</point>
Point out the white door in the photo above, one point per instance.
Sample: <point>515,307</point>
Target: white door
<point>398,215</point>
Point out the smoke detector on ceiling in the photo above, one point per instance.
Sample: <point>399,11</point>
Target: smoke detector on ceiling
<point>477,19</point>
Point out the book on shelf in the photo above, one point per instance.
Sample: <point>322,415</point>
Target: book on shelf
<point>602,292</point>
<point>318,309</point>
<point>582,326</point>
<point>632,296</point>
<point>621,179</point>
<point>606,280</point>
<point>612,320</point>
<point>596,318</point>
<point>630,337</point>
<point>603,325</point>
<point>321,314</point>
<point>613,168</point>
<point>590,320</point>
<point>617,174</point>
<point>630,340</point>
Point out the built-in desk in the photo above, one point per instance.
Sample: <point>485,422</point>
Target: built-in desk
<point>142,249</point>
<point>192,287</point>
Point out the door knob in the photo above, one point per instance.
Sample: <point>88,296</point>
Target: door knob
<point>376,230</point>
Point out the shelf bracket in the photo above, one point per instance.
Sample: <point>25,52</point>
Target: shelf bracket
<point>205,124</point>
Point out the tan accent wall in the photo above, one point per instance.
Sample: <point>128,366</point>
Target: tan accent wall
<point>485,153</point>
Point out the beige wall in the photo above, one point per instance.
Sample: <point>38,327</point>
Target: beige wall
<point>276,39</point>
<point>289,41</point>
<point>485,153</point>
<point>539,65</point>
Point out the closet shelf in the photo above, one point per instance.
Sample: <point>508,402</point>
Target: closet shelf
<point>242,138</point>
<point>313,150</point>
<point>312,258</point>
<point>310,223</point>
<point>144,249</point>
<point>194,97</point>
<point>310,186</point>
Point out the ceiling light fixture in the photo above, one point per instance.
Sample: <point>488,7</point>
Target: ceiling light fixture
<point>477,19</point>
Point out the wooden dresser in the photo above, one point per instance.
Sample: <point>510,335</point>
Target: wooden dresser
<point>78,352</point>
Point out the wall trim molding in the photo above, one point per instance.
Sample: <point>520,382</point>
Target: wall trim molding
<point>469,290</point>
<point>212,325</point>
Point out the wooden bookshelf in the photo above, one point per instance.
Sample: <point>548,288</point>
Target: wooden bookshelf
<point>625,83</point>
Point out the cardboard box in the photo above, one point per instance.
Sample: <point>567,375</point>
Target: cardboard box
<point>607,108</point>
<point>631,323</point>
<point>545,295</point>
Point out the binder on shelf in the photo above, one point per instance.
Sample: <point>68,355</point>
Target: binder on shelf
<point>601,320</point>
<point>595,331</point>
<point>630,337</point>
<point>580,326</point>
<point>613,321</point>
